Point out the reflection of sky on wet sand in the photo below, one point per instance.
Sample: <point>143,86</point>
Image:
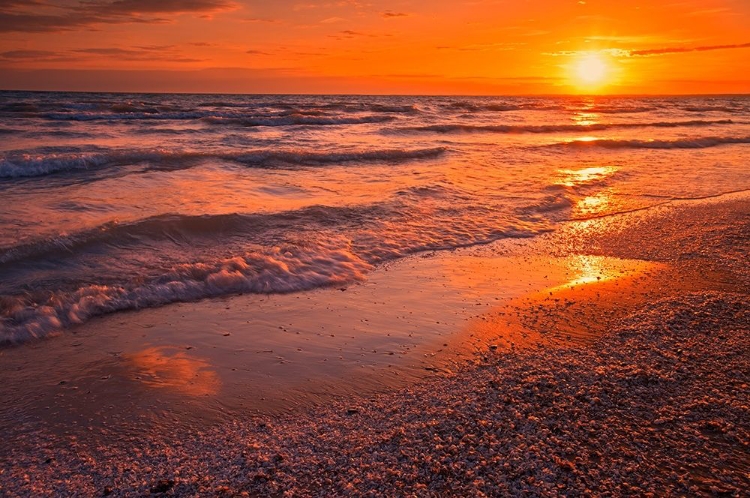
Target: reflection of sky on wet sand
<point>166,367</point>
<point>586,269</point>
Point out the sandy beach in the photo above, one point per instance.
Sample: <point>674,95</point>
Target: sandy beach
<point>616,364</point>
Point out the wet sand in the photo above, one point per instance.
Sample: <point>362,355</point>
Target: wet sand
<point>198,363</point>
<point>608,356</point>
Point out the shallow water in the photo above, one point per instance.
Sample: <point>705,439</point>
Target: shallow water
<point>121,202</point>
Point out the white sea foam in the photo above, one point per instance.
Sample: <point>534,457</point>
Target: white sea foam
<point>277,270</point>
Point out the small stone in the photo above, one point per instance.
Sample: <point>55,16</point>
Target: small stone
<point>162,486</point>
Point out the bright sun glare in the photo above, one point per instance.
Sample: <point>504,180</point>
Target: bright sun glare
<point>591,70</point>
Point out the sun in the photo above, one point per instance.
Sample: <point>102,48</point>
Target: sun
<point>590,71</point>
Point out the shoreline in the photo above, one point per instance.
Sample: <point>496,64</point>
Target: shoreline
<point>274,452</point>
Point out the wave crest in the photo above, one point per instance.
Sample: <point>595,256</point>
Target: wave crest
<point>276,270</point>
<point>690,143</point>
<point>561,128</point>
<point>35,165</point>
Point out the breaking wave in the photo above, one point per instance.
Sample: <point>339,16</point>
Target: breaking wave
<point>275,270</point>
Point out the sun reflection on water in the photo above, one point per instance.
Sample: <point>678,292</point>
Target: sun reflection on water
<point>583,181</point>
<point>586,119</point>
<point>575,177</point>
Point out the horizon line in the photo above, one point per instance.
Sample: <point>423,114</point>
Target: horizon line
<point>354,94</point>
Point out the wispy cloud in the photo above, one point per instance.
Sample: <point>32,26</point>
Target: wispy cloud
<point>679,50</point>
<point>28,54</point>
<point>150,53</point>
<point>348,34</point>
<point>711,12</point>
<point>389,14</point>
<point>332,20</point>
<point>15,57</point>
<point>481,47</point>
<point>650,52</point>
<point>260,20</point>
<point>16,16</point>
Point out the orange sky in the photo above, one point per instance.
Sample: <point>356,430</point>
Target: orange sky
<point>351,46</point>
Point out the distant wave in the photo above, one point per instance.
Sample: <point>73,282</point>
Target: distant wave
<point>726,109</point>
<point>614,109</point>
<point>34,165</point>
<point>402,109</point>
<point>295,119</point>
<point>690,143</point>
<point>275,270</point>
<point>562,128</point>
<point>300,108</point>
<point>122,115</point>
<point>470,106</point>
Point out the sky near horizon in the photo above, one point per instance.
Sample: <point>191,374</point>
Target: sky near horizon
<point>398,46</point>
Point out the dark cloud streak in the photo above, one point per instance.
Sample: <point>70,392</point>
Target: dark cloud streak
<point>28,54</point>
<point>680,50</point>
<point>16,16</point>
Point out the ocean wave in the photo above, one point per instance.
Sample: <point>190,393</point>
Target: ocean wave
<point>372,107</point>
<point>15,165</point>
<point>30,165</point>
<point>549,206</point>
<point>729,110</point>
<point>275,270</point>
<point>134,108</point>
<point>562,128</point>
<point>294,120</point>
<point>478,107</point>
<point>615,109</point>
<point>123,115</point>
<point>351,107</point>
<point>267,254</point>
<point>306,158</point>
<point>19,107</point>
<point>186,229</point>
<point>690,143</point>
